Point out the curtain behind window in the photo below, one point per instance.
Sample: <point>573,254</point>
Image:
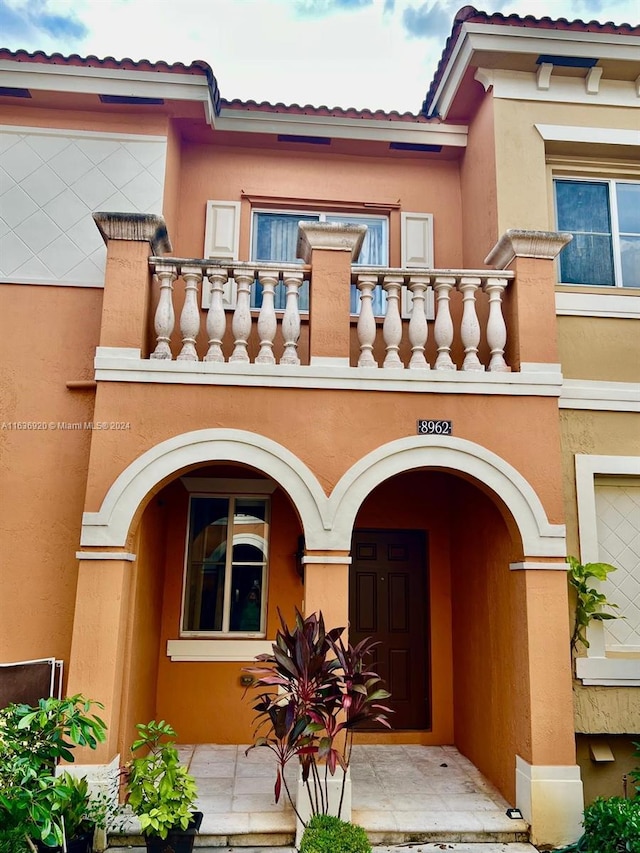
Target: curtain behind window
<point>275,236</point>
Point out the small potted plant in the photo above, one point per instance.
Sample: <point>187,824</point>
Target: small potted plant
<point>81,813</point>
<point>161,792</point>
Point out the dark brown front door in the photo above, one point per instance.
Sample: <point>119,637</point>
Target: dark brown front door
<point>388,601</point>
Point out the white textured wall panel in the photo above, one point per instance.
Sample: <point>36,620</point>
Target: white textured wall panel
<point>618,513</point>
<point>51,181</point>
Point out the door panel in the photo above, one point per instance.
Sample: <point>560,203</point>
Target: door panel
<point>388,601</point>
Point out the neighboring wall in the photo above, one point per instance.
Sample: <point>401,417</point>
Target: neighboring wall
<point>595,349</point>
<point>522,179</point>
<point>56,168</point>
<point>43,464</point>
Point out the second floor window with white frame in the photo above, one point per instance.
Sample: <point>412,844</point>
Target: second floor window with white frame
<point>275,236</point>
<point>604,218</point>
<point>226,566</point>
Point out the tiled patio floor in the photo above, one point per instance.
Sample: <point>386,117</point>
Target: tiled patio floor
<point>400,794</point>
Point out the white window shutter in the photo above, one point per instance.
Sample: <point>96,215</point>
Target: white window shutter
<point>417,252</point>
<point>222,241</point>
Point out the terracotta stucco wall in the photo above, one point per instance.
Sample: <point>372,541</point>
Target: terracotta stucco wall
<point>144,623</point>
<point>491,694</point>
<point>218,172</point>
<point>478,186</point>
<point>106,121</point>
<point>48,337</point>
<point>522,430</point>
<point>205,702</point>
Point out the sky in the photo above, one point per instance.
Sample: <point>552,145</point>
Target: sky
<point>376,54</point>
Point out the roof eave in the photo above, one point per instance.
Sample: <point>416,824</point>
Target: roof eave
<point>506,39</point>
<point>126,82</point>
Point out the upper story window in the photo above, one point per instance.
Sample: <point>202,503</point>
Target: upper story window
<point>604,218</point>
<point>226,571</point>
<point>275,237</point>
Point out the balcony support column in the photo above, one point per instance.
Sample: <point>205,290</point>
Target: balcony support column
<point>330,248</point>
<point>530,305</point>
<point>130,238</point>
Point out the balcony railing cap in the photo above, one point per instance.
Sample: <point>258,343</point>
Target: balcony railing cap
<point>516,243</point>
<point>335,236</point>
<point>136,227</point>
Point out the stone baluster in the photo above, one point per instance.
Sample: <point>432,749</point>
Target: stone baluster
<point>241,324</point>
<point>216,317</point>
<point>496,327</point>
<point>392,326</point>
<point>418,329</point>
<point>267,325</point>
<point>164,318</point>
<point>470,327</point>
<point>291,319</point>
<point>366,321</point>
<point>190,316</point>
<point>443,327</point>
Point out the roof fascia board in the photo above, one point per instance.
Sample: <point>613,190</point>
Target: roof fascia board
<point>497,39</point>
<point>618,46</point>
<point>248,121</point>
<point>456,67</point>
<point>46,70</point>
<point>107,81</point>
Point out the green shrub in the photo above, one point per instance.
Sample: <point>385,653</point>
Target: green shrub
<point>12,841</point>
<point>326,834</point>
<point>612,826</point>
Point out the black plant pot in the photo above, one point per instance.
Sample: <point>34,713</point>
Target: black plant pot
<point>80,844</point>
<point>178,840</point>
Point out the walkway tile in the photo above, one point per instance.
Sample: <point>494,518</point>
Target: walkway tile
<point>398,792</point>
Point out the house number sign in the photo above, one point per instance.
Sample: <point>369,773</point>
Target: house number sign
<point>429,427</point>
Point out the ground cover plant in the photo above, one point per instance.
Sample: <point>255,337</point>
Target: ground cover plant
<point>327,834</point>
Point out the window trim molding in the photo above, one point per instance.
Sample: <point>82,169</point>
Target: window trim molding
<point>572,301</point>
<point>596,668</point>
<point>218,650</point>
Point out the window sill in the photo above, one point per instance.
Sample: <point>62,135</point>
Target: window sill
<point>609,672</point>
<point>592,301</point>
<point>238,649</point>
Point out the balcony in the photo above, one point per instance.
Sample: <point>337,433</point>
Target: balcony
<point>442,330</point>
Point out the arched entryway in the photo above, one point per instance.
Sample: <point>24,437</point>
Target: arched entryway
<point>500,685</point>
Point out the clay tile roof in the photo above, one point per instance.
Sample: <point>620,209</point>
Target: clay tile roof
<point>310,110</point>
<point>198,67</point>
<point>469,14</point>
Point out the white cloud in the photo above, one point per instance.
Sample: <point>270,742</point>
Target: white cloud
<point>357,56</point>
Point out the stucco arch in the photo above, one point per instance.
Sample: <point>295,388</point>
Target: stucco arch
<point>539,537</point>
<point>110,525</point>
<point>327,522</point>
